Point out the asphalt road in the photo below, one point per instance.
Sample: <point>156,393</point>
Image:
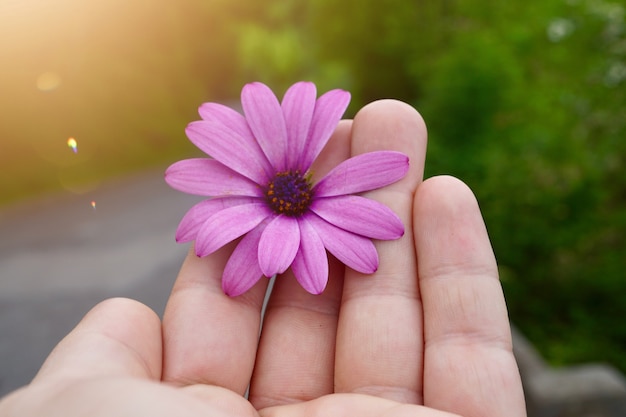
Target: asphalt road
<point>59,256</point>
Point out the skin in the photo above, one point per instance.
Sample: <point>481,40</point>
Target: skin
<point>427,335</point>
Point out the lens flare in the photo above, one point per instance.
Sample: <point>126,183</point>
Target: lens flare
<point>93,205</point>
<point>71,142</point>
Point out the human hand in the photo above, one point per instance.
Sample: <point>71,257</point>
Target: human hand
<point>426,335</point>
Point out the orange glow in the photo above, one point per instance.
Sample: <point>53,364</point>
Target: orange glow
<point>113,71</point>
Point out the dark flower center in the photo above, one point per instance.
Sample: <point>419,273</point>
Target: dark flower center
<point>289,193</point>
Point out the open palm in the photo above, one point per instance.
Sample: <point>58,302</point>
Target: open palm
<point>426,335</point>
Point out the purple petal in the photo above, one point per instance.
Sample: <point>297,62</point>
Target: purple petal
<point>359,215</point>
<point>363,173</point>
<point>328,111</point>
<point>235,121</point>
<point>310,266</point>
<point>227,225</point>
<point>357,252</point>
<point>208,177</point>
<point>266,120</point>
<point>197,215</point>
<point>242,270</point>
<point>298,106</point>
<point>218,113</point>
<point>231,149</point>
<point>279,244</point>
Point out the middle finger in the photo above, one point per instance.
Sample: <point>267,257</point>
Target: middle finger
<point>296,352</point>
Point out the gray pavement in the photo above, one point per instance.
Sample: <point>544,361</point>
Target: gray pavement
<point>59,256</point>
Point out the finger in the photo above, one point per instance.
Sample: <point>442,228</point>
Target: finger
<point>118,337</point>
<point>296,353</point>
<point>469,365</point>
<point>350,405</point>
<point>379,339</point>
<point>297,347</point>
<point>209,337</point>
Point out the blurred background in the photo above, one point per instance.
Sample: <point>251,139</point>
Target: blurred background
<point>525,101</point>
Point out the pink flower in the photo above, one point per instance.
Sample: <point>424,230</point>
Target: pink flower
<point>260,182</point>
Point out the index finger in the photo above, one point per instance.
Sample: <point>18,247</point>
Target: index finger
<point>209,337</point>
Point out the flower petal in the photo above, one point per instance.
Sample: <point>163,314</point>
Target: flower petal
<point>227,225</point>
<point>279,244</point>
<point>235,121</point>
<point>357,252</point>
<point>218,113</point>
<point>208,177</point>
<point>359,215</point>
<point>328,111</point>
<point>298,105</point>
<point>310,266</point>
<point>363,173</point>
<point>242,270</point>
<point>266,120</point>
<point>231,149</point>
<point>198,214</point>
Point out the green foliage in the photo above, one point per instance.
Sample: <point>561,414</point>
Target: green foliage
<point>525,102</point>
<point>538,133</point>
<point>466,104</point>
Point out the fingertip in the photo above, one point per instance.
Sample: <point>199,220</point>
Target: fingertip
<point>444,192</point>
<point>393,119</point>
<point>126,306</point>
<point>396,109</point>
<point>448,224</point>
